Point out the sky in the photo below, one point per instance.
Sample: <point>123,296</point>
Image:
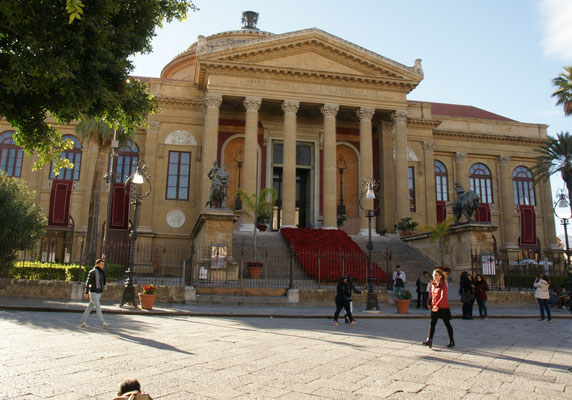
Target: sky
<point>500,56</point>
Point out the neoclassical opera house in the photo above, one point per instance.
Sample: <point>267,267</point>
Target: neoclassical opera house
<point>297,111</point>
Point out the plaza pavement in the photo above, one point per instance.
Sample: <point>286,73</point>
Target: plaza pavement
<point>220,352</point>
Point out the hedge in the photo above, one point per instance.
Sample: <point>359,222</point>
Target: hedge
<point>60,272</point>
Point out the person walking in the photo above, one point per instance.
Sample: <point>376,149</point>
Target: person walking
<point>422,288</point>
<point>343,298</point>
<point>352,290</point>
<point>481,289</point>
<point>541,285</point>
<point>398,281</point>
<point>466,290</point>
<point>94,286</point>
<point>440,307</point>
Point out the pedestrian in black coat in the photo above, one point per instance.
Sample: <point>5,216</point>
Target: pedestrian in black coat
<point>343,298</point>
<point>352,290</point>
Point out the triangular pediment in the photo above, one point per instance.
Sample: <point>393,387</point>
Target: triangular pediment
<point>314,52</point>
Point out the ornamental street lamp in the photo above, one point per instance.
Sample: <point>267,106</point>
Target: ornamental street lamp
<point>370,185</point>
<point>341,164</point>
<point>562,212</point>
<point>110,178</point>
<point>239,158</point>
<point>137,179</point>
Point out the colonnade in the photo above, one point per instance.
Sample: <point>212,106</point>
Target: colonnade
<point>290,109</point>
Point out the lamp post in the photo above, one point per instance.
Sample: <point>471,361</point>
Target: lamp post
<point>239,158</point>
<point>138,178</point>
<point>110,178</point>
<point>562,202</point>
<point>341,164</point>
<point>370,185</point>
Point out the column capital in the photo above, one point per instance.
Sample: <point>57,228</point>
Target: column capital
<point>400,117</point>
<point>252,104</point>
<point>429,147</point>
<point>365,113</point>
<point>503,160</point>
<point>386,127</point>
<point>290,107</point>
<point>213,100</point>
<point>460,157</point>
<point>330,110</point>
<point>153,126</point>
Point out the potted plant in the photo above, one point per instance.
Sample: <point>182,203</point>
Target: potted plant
<point>402,301</point>
<point>406,226</point>
<point>254,269</point>
<point>260,208</point>
<point>147,298</point>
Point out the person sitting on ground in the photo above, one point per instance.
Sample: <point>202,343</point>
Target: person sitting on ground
<point>130,389</point>
<point>563,297</point>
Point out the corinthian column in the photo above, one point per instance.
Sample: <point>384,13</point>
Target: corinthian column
<point>252,105</point>
<point>387,175</point>
<point>290,108</point>
<point>329,111</point>
<point>401,163</point>
<point>428,149</point>
<point>509,231</point>
<point>365,115</point>
<point>210,141</point>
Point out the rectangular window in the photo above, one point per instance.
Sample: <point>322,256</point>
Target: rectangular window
<point>178,175</point>
<point>411,172</point>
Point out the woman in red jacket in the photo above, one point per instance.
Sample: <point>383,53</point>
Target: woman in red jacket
<point>481,289</point>
<point>439,307</point>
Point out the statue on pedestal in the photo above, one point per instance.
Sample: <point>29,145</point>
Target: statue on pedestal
<point>219,179</point>
<point>465,204</point>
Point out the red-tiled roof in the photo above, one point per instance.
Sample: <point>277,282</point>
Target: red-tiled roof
<point>457,110</point>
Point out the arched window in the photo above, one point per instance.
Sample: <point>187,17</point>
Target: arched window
<point>522,186</point>
<point>127,158</point>
<point>441,186</point>
<point>10,155</point>
<point>480,181</point>
<point>74,156</point>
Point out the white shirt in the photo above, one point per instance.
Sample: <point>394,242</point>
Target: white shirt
<point>402,276</point>
<point>541,289</point>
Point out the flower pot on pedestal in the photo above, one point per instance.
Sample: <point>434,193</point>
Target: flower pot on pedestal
<point>147,300</point>
<point>402,306</point>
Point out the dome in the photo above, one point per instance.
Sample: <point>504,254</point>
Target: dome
<point>182,67</point>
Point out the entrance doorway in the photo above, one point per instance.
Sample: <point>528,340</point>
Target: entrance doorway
<point>303,212</point>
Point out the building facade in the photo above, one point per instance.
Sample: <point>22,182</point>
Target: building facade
<point>300,112</point>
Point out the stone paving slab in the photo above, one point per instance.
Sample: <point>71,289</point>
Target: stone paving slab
<point>47,356</point>
<point>277,311</point>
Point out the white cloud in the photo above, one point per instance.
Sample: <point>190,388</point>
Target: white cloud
<point>557,26</point>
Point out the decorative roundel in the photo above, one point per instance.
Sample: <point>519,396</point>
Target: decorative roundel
<point>175,218</point>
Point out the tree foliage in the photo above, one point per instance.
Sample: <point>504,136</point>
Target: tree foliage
<point>70,59</point>
<point>555,157</point>
<point>437,235</point>
<point>563,94</point>
<point>22,222</point>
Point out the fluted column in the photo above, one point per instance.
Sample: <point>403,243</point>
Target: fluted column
<point>329,111</point>
<point>252,105</point>
<point>387,175</point>
<point>290,108</point>
<point>509,232</point>
<point>210,141</point>
<point>401,163</point>
<point>430,200</point>
<point>460,175</point>
<point>365,115</point>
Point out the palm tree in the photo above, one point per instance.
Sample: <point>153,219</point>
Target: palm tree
<point>259,208</point>
<point>101,134</point>
<point>555,157</point>
<point>564,92</point>
<point>437,235</point>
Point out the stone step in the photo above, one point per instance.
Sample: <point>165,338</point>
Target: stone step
<point>241,300</point>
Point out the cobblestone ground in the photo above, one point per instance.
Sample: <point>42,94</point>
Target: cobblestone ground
<point>46,356</point>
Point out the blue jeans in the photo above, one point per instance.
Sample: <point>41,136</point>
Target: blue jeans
<point>483,312</point>
<point>543,303</point>
<point>397,291</point>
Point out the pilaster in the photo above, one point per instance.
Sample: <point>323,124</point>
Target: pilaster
<point>430,198</point>
<point>401,164</point>
<point>509,232</point>
<point>387,174</point>
<point>210,141</point>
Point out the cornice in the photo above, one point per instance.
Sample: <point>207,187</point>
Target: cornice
<point>485,137</point>
<point>181,102</point>
<point>424,123</point>
<point>236,69</point>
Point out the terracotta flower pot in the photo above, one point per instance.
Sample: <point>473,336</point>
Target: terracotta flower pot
<point>254,270</point>
<point>402,306</point>
<point>147,300</point>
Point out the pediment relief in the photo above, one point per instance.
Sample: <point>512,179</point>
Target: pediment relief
<point>317,51</point>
